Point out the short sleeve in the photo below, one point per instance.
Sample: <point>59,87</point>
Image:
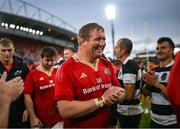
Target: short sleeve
<point>29,84</point>
<point>63,84</point>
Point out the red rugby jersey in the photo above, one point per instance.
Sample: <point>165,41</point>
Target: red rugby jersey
<point>41,87</point>
<point>78,81</point>
<point>173,88</point>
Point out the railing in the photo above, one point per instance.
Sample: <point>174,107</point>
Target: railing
<point>22,8</point>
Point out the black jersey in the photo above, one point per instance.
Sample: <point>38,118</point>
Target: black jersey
<point>17,107</point>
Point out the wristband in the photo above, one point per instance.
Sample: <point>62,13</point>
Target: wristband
<point>100,102</point>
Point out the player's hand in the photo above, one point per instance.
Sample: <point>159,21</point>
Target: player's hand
<point>150,78</point>
<point>36,123</point>
<point>10,90</point>
<point>113,94</point>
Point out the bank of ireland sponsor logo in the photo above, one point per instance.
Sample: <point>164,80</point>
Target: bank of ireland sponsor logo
<point>96,88</point>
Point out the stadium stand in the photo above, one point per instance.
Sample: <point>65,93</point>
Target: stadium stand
<point>32,28</point>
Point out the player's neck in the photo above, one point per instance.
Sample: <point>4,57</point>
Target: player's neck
<point>7,63</point>
<point>166,62</point>
<point>47,71</point>
<point>92,63</point>
<point>86,58</point>
<point>124,57</point>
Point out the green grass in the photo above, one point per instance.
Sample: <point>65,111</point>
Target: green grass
<point>145,121</point>
<point>145,118</point>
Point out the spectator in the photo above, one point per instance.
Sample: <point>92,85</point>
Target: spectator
<point>86,84</point>
<point>68,53</point>
<point>130,110</point>
<point>173,89</point>
<point>19,52</point>
<point>39,92</point>
<point>14,66</point>
<point>59,61</point>
<point>9,91</point>
<point>162,115</point>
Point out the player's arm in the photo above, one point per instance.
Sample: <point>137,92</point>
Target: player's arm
<point>9,91</point>
<point>4,110</point>
<point>151,79</point>
<point>161,87</point>
<point>129,80</point>
<point>130,90</point>
<point>72,109</point>
<point>30,108</point>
